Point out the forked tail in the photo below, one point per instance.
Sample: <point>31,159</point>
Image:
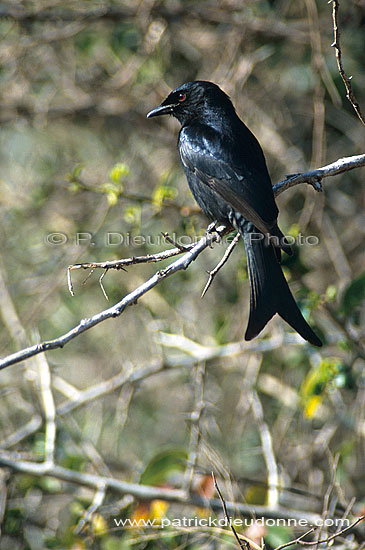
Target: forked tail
<point>269,291</point>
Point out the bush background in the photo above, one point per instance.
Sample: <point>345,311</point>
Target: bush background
<point>79,156</point>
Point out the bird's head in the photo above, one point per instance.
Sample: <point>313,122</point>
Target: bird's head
<point>193,100</point>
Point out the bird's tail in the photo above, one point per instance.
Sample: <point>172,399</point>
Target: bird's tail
<point>269,291</point>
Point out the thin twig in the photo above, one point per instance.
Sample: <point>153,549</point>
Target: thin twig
<point>119,264</point>
<point>101,284</point>
<point>243,543</point>
<point>195,417</point>
<point>181,247</point>
<point>3,494</point>
<point>346,79</point>
<point>336,535</point>
<point>96,503</point>
<point>49,408</point>
<point>327,497</point>
<point>25,431</point>
<point>267,450</point>
<point>296,541</point>
<point>323,541</point>
<point>193,352</point>
<point>107,386</point>
<point>224,259</point>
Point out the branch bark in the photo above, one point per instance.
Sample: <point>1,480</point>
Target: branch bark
<point>315,177</point>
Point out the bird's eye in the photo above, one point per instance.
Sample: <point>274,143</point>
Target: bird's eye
<point>182,97</point>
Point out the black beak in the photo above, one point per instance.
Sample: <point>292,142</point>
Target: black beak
<point>161,110</point>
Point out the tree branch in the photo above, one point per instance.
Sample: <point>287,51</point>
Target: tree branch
<point>117,309</point>
<point>219,266</point>
<point>314,177</point>
<point>243,542</point>
<point>149,492</point>
<point>346,79</point>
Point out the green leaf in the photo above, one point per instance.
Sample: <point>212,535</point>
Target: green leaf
<point>112,198</point>
<point>314,385</point>
<point>331,293</point>
<point>118,172</point>
<point>163,193</point>
<point>162,465</point>
<point>278,534</point>
<point>353,295</point>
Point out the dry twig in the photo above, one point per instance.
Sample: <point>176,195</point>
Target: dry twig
<point>195,417</point>
<point>243,543</point>
<point>219,266</point>
<point>346,79</point>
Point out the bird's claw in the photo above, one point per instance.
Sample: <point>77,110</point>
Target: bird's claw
<point>211,227</point>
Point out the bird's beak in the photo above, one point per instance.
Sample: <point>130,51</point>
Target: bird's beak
<point>161,110</point>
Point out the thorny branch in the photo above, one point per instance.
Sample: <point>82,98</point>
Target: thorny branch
<point>346,79</point>
<point>118,308</point>
<point>312,177</point>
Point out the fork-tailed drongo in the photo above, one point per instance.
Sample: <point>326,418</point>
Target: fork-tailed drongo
<point>227,174</point>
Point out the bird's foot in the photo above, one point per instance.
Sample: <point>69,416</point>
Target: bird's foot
<point>211,227</point>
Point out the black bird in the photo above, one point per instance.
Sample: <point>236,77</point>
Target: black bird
<point>227,174</point>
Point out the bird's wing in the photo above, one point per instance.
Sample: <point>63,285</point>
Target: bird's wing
<point>204,152</point>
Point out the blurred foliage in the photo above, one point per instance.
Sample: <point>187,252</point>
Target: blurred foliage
<point>85,177</point>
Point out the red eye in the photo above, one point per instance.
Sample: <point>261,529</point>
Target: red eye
<point>182,97</point>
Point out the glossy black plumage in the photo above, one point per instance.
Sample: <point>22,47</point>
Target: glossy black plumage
<point>227,174</point>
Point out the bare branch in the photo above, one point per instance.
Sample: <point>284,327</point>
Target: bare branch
<point>49,408</point>
<point>327,496</point>
<point>199,406</point>
<point>120,264</point>
<point>297,540</point>
<point>243,543</point>
<point>267,450</point>
<point>346,80</point>
<point>25,431</point>
<point>149,492</point>
<point>300,541</point>
<point>214,271</point>
<point>96,503</point>
<point>119,308</point>
<point>195,352</point>
<point>314,177</point>
<point>98,390</point>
